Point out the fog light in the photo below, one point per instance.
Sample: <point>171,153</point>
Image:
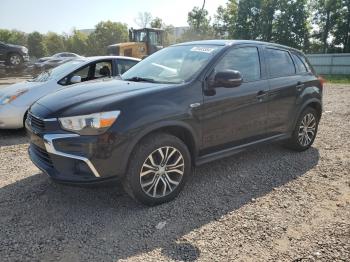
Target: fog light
<point>81,168</point>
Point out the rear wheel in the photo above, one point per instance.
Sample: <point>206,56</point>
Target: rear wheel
<point>158,169</point>
<point>305,130</point>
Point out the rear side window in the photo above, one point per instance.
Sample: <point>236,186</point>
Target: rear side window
<point>245,60</point>
<point>280,63</point>
<point>300,66</point>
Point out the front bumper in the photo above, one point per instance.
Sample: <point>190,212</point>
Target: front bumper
<point>75,159</point>
<point>11,117</point>
<point>26,58</point>
<point>66,167</point>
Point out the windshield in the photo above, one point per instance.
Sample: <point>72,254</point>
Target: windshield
<point>57,71</point>
<point>176,64</point>
<point>140,36</point>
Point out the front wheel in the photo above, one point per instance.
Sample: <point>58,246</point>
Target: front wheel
<point>158,169</point>
<point>305,130</point>
<point>15,60</point>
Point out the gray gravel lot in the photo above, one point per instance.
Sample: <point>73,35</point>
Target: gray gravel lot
<point>265,204</point>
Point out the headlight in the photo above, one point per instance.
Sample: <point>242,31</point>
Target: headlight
<point>89,124</point>
<point>9,98</point>
<point>24,50</point>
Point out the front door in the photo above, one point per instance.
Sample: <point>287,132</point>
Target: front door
<point>2,52</point>
<point>237,115</point>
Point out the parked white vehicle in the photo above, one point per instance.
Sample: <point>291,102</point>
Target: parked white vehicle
<point>16,99</point>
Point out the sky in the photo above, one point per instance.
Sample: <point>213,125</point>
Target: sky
<point>64,15</point>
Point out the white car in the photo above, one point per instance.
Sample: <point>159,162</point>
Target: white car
<point>16,99</point>
<point>55,60</point>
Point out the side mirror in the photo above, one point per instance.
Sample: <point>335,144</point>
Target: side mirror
<point>75,79</point>
<point>226,78</point>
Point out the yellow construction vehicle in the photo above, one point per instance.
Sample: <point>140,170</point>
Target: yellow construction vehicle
<point>143,42</point>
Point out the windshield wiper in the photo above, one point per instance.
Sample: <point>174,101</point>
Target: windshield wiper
<point>140,79</point>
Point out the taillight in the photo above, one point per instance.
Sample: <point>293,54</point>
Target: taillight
<point>322,81</point>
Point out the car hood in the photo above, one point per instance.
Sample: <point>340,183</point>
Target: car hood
<point>15,46</point>
<point>92,97</point>
<point>44,58</point>
<point>13,89</point>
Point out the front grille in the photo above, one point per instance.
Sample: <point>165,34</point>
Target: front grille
<point>37,124</point>
<point>42,154</point>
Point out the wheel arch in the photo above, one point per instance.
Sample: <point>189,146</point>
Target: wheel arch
<point>313,103</point>
<point>178,129</point>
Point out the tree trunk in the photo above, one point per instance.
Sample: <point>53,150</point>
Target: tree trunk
<point>326,32</point>
<point>347,32</point>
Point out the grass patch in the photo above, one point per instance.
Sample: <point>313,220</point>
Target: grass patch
<point>337,79</point>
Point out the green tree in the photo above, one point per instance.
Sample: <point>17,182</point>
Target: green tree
<point>269,8</point>
<point>198,20</point>
<point>77,43</point>
<point>248,24</point>
<point>13,37</point>
<point>291,25</point>
<point>105,34</point>
<point>157,23</point>
<point>199,26</point>
<point>54,43</point>
<point>5,35</point>
<point>326,16</point>
<point>225,19</point>
<point>342,27</point>
<point>36,45</point>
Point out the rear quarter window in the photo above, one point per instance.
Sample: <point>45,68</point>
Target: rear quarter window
<point>299,64</point>
<point>306,63</point>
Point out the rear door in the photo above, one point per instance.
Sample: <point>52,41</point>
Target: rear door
<point>285,85</point>
<point>234,116</point>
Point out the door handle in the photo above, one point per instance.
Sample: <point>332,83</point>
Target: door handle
<point>260,95</point>
<point>300,86</point>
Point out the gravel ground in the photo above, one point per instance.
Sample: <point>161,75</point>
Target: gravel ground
<point>265,204</point>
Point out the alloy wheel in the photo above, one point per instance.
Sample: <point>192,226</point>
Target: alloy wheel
<point>15,60</point>
<point>162,172</point>
<point>307,129</point>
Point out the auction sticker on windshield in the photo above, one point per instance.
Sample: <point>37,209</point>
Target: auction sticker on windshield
<point>202,49</point>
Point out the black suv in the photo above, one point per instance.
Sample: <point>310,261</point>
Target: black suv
<point>13,55</point>
<point>181,107</point>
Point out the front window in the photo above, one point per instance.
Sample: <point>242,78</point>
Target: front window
<point>155,38</point>
<point>57,71</point>
<point>177,64</point>
<point>140,36</point>
<point>245,60</point>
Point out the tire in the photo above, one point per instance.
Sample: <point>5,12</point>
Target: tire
<point>24,119</point>
<point>14,59</point>
<point>298,140</point>
<point>171,176</point>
